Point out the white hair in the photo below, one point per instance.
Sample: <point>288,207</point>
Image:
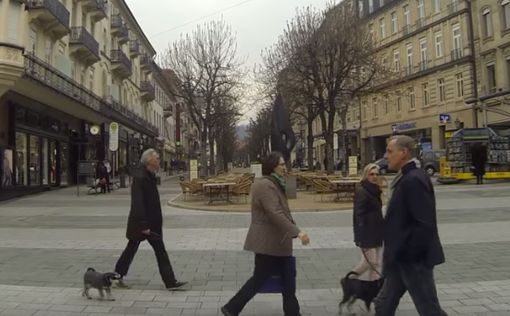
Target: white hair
<point>146,155</point>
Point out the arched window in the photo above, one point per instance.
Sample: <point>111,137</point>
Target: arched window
<point>487,22</point>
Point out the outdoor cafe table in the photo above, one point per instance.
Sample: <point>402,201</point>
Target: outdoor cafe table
<point>221,186</point>
<point>344,185</point>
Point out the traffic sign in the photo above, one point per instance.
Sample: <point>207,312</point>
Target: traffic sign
<point>444,118</point>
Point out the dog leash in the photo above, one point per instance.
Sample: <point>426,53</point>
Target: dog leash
<point>370,263</point>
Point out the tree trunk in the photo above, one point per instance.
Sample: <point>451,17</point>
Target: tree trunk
<point>212,166</point>
<point>203,155</point>
<point>344,145</point>
<point>309,146</point>
<point>329,152</point>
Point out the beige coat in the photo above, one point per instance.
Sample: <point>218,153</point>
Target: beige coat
<point>272,227</point>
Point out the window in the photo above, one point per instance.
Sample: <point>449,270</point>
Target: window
<point>34,166</point>
<point>396,60</point>
<point>386,108</point>
<point>421,9</point>
<point>409,64</point>
<point>374,107</point>
<point>506,13</point>
<point>20,171</point>
<point>394,22</point>
<point>491,78</point>
<point>460,85</point>
<point>441,89</point>
<point>32,41</point>
<point>457,43</point>
<point>439,44</point>
<point>407,15</point>
<point>370,6</point>
<point>412,98</point>
<point>508,69</point>
<point>423,54</point>
<point>399,104</point>
<point>436,5</point>
<point>381,27</point>
<point>487,23</point>
<point>364,112</point>
<point>371,31</point>
<point>48,51</point>
<point>426,97</point>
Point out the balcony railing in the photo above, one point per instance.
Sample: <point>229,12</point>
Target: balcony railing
<point>453,7</point>
<point>97,8</point>
<point>80,35</point>
<point>456,54</point>
<point>118,58</point>
<point>127,113</point>
<point>406,29</point>
<point>48,75</point>
<point>145,61</point>
<point>57,11</point>
<point>134,48</point>
<point>421,22</point>
<point>119,28</point>
<point>148,91</point>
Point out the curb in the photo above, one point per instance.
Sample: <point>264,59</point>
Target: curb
<point>199,208</point>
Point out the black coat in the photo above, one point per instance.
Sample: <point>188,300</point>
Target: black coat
<point>367,216</point>
<point>145,210</point>
<point>410,233</point>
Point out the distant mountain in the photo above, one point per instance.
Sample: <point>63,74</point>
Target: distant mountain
<point>241,131</point>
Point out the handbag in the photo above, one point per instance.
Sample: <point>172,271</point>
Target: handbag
<point>274,284</point>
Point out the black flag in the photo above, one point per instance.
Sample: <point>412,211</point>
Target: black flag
<point>282,135</point>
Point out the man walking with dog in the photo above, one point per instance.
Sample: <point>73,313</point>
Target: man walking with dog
<point>411,241</point>
<point>145,222</point>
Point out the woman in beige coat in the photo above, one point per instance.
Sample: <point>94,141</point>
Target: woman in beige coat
<point>270,238</point>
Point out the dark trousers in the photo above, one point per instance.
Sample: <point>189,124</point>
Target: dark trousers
<point>415,278</point>
<point>479,179</point>
<point>165,268</point>
<point>265,266</point>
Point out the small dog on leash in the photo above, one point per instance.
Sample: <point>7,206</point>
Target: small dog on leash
<point>99,281</point>
<point>358,289</point>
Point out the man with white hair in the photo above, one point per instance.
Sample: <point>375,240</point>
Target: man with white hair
<point>145,222</point>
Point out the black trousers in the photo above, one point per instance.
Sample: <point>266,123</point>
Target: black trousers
<point>265,266</point>
<point>416,278</point>
<point>165,268</point>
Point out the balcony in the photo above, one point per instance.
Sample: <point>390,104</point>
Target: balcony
<point>52,14</point>
<point>453,7</point>
<point>456,54</point>
<point>98,9</point>
<point>146,62</point>
<point>407,29</point>
<point>121,65</point>
<point>119,29</point>
<point>126,115</point>
<point>83,45</point>
<point>51,77</point>
<point>422,66</point>
<point>134,48</point>
<point>148,92</point>
<point>421,22</point>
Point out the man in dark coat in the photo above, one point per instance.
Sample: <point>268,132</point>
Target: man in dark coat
<point>145,221</point>
<point>411,240</point>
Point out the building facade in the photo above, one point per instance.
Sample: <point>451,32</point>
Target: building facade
<point>67,70</point>
<point>426,49</point>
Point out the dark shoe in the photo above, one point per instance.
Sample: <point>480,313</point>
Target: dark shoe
<point>121,284</point>
<point>225,312</point>
<point>176,285</point>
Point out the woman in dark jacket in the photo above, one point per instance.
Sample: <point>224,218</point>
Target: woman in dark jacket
<point>368,223</point>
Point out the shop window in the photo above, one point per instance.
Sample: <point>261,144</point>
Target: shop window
<point>34,165</point>
<point>64,163</point>
<point>20,172</point>
<point>45,161</point>
<point>53,162</point>
<point>6,168</point>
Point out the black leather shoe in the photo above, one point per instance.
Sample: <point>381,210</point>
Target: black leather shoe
<point>225,312</point>
<point>176,286</point>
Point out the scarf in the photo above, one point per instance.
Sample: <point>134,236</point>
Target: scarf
<point>280,180</point>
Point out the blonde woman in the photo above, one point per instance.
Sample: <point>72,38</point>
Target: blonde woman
<point>368,224</point>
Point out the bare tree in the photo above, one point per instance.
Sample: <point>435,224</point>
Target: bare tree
<point>330,58</point>
<point>208,70</point>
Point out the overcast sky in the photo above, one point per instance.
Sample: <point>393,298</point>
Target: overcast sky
<point>257,23</point>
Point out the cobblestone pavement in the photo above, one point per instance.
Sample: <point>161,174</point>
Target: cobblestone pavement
<point>48,240</point>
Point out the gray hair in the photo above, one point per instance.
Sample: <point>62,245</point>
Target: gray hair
<point>405,142</point>
<point>146,155</point>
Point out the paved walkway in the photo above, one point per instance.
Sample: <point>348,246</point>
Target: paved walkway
<point>47,241</point>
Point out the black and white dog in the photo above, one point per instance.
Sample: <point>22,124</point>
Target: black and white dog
<point>358,289</point>
<point>99,281</point>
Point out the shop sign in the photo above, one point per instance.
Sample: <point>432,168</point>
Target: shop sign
<point>403,126</point>
<point>444,118</point>
<point>114,136</point>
